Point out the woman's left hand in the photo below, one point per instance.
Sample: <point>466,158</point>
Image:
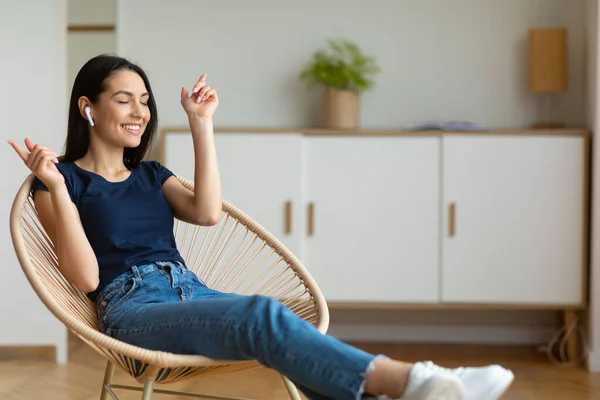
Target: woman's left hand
<point>202,102</point>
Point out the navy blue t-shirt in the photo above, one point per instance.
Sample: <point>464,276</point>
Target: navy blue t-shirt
<point>127,223</point>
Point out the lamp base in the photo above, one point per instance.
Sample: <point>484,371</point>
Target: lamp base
<point>548,125</point>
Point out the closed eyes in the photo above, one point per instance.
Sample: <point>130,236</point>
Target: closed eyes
<point>125,102</point>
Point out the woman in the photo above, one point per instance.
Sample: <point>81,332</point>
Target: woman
<point>110,215</point>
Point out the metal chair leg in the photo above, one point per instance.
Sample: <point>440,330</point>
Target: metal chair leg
<point>108,377</point>
<point>148,387</point>
<point>291,388</point>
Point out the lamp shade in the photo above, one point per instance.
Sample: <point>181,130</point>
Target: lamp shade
<point>547,60</point>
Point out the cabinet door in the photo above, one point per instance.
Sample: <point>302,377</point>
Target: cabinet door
<point>260,174</point>
<point>518,210</point>
<point>375,223</point>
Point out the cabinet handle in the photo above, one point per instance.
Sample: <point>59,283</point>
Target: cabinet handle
<point>311,219</point>
<point>288,217</point>
<point>452,219</point>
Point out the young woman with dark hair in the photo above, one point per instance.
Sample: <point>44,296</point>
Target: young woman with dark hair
<point>110,215</point>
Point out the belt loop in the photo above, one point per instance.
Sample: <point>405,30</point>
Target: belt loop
<point>136,272</point>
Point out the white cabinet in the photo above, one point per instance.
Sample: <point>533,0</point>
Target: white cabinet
<point>260,174</point>
<point>518,219</point>
<point>375,217</point>
<point>427,219</point>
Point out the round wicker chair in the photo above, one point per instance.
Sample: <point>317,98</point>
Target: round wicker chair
<point>236,255</point>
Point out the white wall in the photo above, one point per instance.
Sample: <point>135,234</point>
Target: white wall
<point>459,59</point>
<point>83,45</point>
<point>32,103</point>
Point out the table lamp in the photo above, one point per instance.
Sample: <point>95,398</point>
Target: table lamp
<point>548,68</point>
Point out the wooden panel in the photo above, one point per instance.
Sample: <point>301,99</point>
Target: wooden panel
<point>91,28</point>
<point>447,306</point>
<point>384,132</point>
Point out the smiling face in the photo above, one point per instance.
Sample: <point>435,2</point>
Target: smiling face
<point>121,113</point>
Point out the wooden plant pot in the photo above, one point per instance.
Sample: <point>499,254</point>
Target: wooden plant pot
<point>340,109</point>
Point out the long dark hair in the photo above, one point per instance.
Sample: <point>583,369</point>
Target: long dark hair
<point>91,82</point>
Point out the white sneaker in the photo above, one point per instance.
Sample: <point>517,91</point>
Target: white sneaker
<point>435,387</point>
<point>481,383</point>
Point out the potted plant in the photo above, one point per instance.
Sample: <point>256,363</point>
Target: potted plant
<point>345,72</point>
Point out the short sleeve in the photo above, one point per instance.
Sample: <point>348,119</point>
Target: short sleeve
<point>38,185</point>
<point>69,182</point>
<point>163,173</point>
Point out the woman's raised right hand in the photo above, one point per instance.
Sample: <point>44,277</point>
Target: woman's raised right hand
<point>40,160</point>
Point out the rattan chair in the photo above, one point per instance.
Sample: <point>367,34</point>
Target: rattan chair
<point>235,255</point>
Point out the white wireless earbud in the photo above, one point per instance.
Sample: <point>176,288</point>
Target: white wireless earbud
<point>88,112</point>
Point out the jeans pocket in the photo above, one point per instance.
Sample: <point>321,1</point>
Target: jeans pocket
<point>192,275</point>
<point>110,303</point>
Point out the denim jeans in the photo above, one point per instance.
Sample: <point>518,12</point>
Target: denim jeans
<point>164,306</point>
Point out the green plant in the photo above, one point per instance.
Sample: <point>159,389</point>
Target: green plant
<point>343,67</point>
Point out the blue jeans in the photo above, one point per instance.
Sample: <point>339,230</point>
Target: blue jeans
<point>164,306</point>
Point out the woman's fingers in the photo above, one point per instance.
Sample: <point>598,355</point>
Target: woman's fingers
<point>24,154</point>
<point>38,153</point>
<point>202,93</point>
<point>206,93</point>
<point>42,161</point>
<point>43,154</point>
<point>39,147</point>
<point>184,94</point>
<point>29,143</point>
<point>201,82</point>
<point>212,93</point>
<point>32,160</point>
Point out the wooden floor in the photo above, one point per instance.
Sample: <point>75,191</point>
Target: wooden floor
<point>33,375</point>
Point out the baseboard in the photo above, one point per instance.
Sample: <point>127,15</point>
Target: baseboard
<point>511,327</point>
<point>415,333</point>
<point>46,353</point>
